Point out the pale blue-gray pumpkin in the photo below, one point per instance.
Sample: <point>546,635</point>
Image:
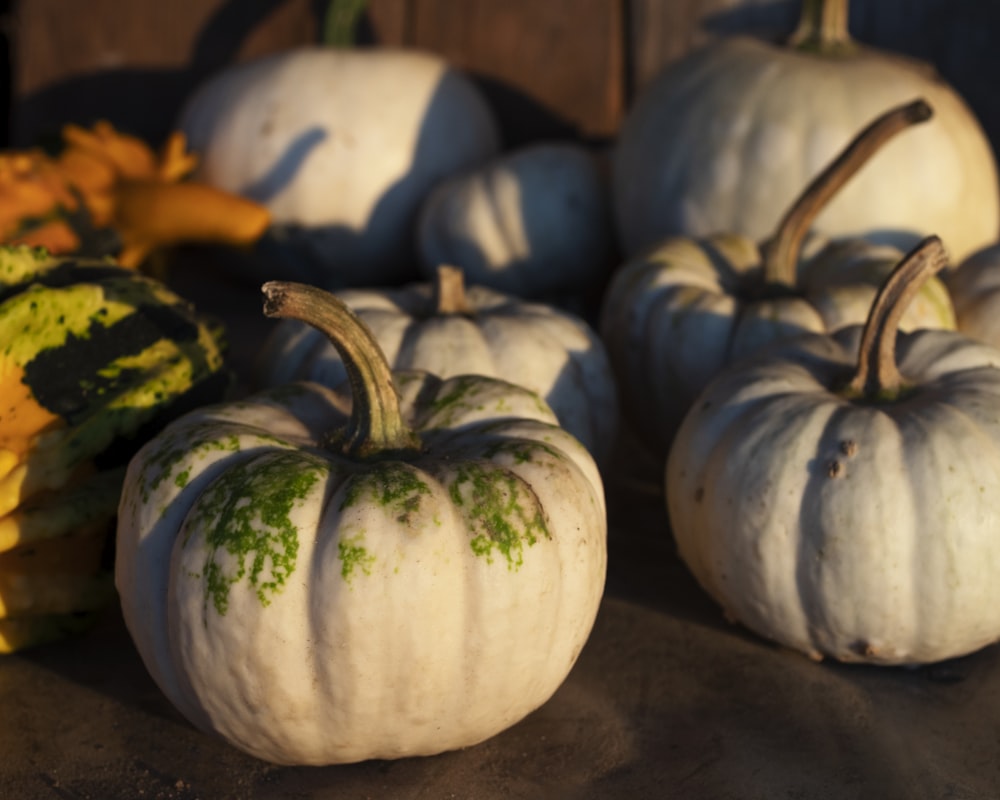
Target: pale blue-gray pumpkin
<point>837,493</point>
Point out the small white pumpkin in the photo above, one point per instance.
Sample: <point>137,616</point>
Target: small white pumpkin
<point>534,222</point>
<point>321,586</point>
<point>723,139</point>
<point>448,329</point>
<point>838,494</point>
<point>974,286</point>
<point>341,145</point>
<point>675,316</point>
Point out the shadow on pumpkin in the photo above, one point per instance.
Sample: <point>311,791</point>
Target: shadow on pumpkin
<point>380,250</point>
<point>147,101</point>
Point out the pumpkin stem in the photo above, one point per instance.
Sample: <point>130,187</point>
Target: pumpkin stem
<point>780,253</point>
<point>449,291</point>
<point>341,22</point>
<point>877,375</point>
<point>823,28</point>
<point>376,423</point>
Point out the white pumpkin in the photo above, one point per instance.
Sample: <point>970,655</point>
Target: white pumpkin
<point>838,495</point>
<point>321,586</point>
<point>341,146</point>
<point>974,286</point>
<point>447,328</point>
<point>534,222</point>
<point>675,316</point>
<point>723,139</point>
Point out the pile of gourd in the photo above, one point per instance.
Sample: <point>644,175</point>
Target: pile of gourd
<point>783,273</point>
<point>95,357</point>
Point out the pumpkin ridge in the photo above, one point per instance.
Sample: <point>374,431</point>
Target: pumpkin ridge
<point>927,536</point>
<point>808,557</point>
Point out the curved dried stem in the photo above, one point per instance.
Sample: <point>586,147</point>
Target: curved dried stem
<point>376,424</point>
<point>877,375</point>
<point>781,252</point>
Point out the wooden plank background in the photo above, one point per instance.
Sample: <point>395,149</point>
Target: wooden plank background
<point>550,67</point>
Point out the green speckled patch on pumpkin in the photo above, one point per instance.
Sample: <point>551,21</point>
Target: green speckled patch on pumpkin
<point>182,478</point>
<point>462,390</point>
<point>246,515</point>
<point>502,512</point>
<point>523,451</point>
<point>473,393</point>
<point>353,556</point>
<point>179,448</point>
<point>394,486</point>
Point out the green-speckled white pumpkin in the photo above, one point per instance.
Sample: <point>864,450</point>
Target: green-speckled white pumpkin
<point>320,585</point>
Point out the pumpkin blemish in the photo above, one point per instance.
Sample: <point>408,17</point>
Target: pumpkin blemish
<point>246,519</point>
<point>863,648</point>
<point>834,469</point>
<point>198,442</point>
<point>394,485</point>
<point>522,451</point>
<point>352,555</point>
<point>455,401</point>
<point>500,509</point>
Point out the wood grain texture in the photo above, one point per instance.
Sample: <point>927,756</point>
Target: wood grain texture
<point>551,69</point>
<point>133,61</point>
<point>389,21</point>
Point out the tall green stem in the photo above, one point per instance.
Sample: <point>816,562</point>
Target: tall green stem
<point>877,375</point>
<point>823,28</point>
<point>376,424</point>
<point>781,251</point>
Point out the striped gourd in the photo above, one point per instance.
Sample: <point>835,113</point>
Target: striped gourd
<point>94,358</point>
